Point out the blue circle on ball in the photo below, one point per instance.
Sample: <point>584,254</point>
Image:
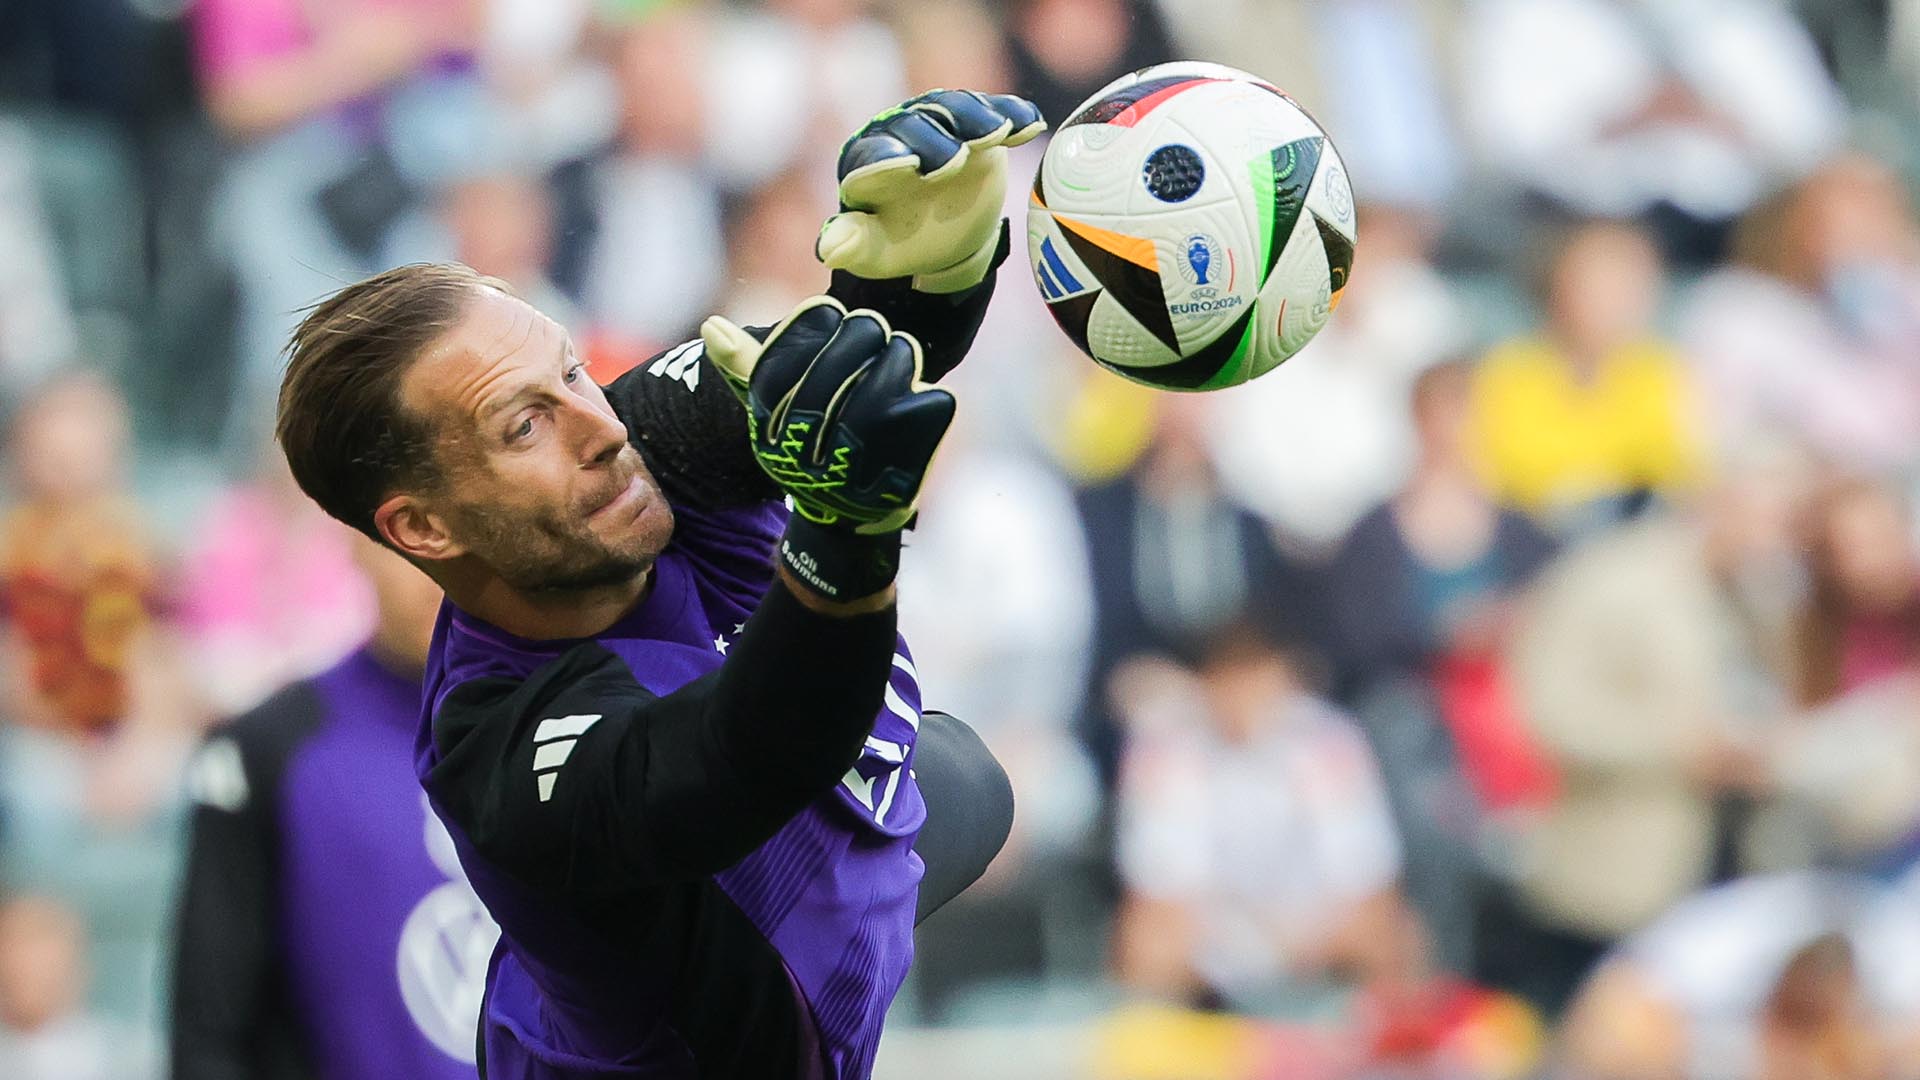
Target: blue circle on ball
<point>1173,173</point>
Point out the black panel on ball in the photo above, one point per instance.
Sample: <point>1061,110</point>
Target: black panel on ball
<point>1293,167</point>
<point>1135,287</point>
<point>1192,372</point>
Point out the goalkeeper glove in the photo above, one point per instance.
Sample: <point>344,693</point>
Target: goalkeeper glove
<point>922,186</point>
<point>839,418</point>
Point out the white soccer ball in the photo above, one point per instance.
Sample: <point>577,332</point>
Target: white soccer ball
<point>1191,226</point>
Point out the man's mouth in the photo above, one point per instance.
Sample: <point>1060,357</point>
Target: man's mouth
<point>628,497</point>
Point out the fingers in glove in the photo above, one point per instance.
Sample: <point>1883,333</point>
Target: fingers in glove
<point>1024,114</point>
<point>732,350</point>
<point>935,146</point>
<point>736,353</point>
<point>908,433</point>
<point>846,238</point>
<point>829,374</point>
<point>962,112</point>
<point>898,419</point>
<point>893,375</point>
<point>876,150</point>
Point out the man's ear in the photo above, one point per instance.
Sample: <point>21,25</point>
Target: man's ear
<point>415,531</point>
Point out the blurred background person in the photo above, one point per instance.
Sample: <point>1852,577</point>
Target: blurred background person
<point>1650,665</point>
<point>1000,615</point>
<point>324,926</point>
<point>1174,560</point>
<point>1861,620</point>
<point>99,711</point>
<point>1812,328</point>
<point>319,96</point>
<point>1685,113</point>
<point>1582,421</point>
<point>177,179</point>
<point>1312,447</point>
<point>1421,594</point>
<point>1256,848</point>
<point>269,591</point>
<point>46,1030</point>
<point>653,191</point>
<point>1802,976</point>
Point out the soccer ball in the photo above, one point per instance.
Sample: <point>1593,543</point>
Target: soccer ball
<point>1191,226</point>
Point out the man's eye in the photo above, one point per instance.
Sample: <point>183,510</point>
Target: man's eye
<point>573,373</point>
<point>525,429</point>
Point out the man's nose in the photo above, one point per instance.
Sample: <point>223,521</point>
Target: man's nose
<point>602,436</point>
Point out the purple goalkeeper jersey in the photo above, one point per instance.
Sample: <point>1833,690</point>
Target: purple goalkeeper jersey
<point>832,892</point>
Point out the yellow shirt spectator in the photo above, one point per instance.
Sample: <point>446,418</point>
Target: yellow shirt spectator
<point>1550,438</point>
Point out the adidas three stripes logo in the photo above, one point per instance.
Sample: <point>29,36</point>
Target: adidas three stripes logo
<point>554,740</point>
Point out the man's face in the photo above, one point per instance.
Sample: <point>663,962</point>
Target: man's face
<point>538,481</point>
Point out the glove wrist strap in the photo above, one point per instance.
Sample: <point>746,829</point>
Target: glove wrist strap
<point>962,275</point>
<point>837,564</point>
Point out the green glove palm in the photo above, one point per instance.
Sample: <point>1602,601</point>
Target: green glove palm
<point>922,187</point>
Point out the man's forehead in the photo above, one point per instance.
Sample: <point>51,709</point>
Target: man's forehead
<point>496,339</point>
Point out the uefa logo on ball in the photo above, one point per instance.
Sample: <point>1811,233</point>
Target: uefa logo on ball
<point>1200,259</point>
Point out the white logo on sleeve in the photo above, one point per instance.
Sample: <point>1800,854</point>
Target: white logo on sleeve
<point>682,364</point>
<point>555,739</point>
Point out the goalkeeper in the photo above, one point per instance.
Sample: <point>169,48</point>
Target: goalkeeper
<point>670,725</point>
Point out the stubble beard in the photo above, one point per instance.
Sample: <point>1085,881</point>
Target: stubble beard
<point>563,560</point>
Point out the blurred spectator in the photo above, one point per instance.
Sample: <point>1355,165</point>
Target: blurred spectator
<point>1786,977</point>
<point>996,602</point>
<point>316,93</point>
<point>1381,68</point>
<point>36,323</point>
<point>658,259</point>
<point>1583,420</point>
<point>1861,623</point>
<point>502,225</point>
<point>1255,844</point>
<point>77,570</point>
<point>1616,108</point>
<point>1319,442</point>
<point>101,713</point>
<point>954,43</point>
<point>325,927</point>
<point>1064,50</point>
<point>1419,594</point>
<point>46,1031</point>
<point>1429,572</point>
<point>551,99</point>
<point>788,80</point>
<point>269,593</point>
<point>1814,328</point>
<point>1649,664</point>
<point>1849,778</point>
<point>772,251</point>
<point>1174,560</point>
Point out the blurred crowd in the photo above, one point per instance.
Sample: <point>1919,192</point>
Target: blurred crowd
<point>1524,680</point>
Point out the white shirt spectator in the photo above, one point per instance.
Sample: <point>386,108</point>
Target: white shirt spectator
<point>1576,98</point>
<point>1287,831</point>
<point>1717,955</point>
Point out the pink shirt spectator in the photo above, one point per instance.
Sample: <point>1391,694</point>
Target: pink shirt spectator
<point>271,594</point>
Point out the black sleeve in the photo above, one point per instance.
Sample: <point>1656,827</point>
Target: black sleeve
<point>579,783</point>
<point>232,1014</point>
<point>692,431</point>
